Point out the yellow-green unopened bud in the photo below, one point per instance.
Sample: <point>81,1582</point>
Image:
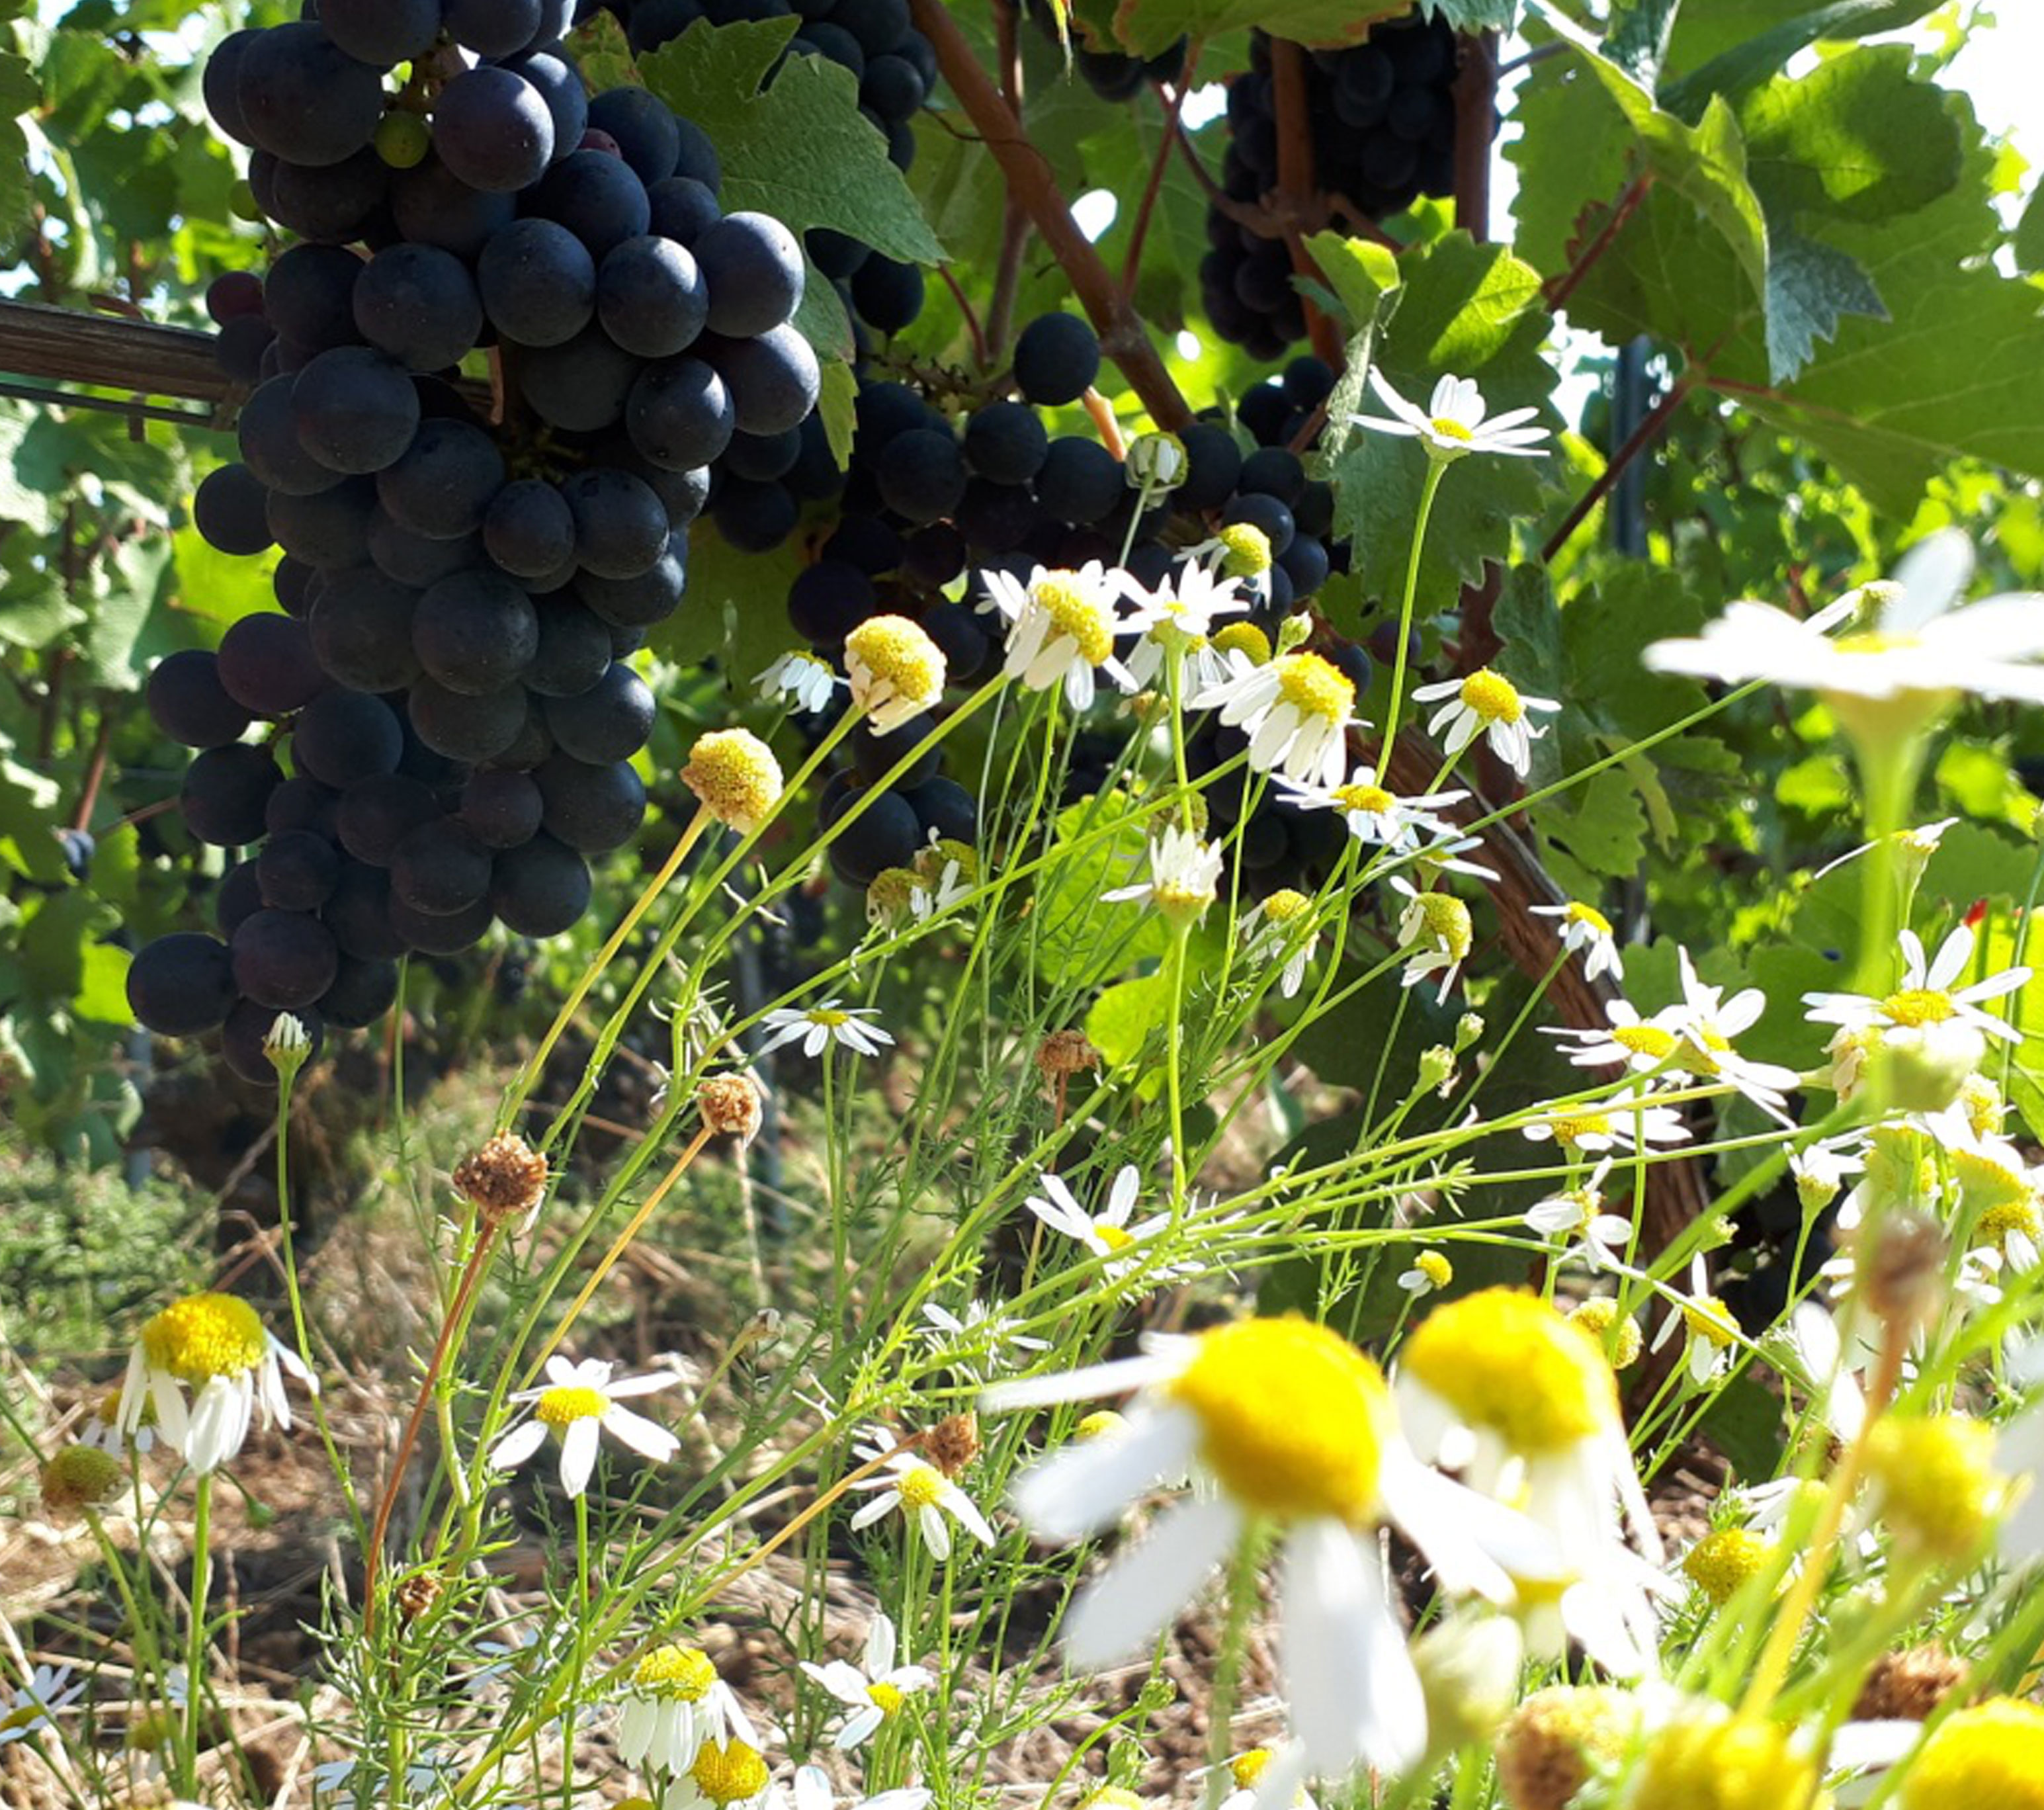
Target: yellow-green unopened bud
<point>287,1045</point>
<point>1469,1029</point>
<point>1246,551</point>
<point>1156,462</point>
<point>1437,1068</point>
<point>78,1478</point>
<point>1468,1669</point>
<point>1719,1563</point>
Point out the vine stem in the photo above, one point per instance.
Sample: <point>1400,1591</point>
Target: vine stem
<point>1623,209</point>
<point>1123,336</point>
<point>1295,180</point>
<point>1174,101</point>
<point>1636,442</point>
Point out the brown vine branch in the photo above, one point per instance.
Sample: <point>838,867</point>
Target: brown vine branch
<point>1173,102</point>
<point>1123,336</point>
<point>1476,108</point>
<point>64,345</point>
<point>1014,222</point>
<point>1623,209</point>
<point>1636,442</point>
<point>1295,180</point>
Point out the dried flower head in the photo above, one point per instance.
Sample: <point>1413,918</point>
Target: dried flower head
<point>78,1478</point>
<point>1065,1052</point>
<point>506,1179</point>
<point>416,1594</point>
<point>1908,1685</point>
<point>1548,1748</point>
<point>954,1443</point>
<point>1902,1266</point>
<point>730,1106</point>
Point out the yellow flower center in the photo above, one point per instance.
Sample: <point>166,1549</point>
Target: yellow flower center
<point>1076,614</point>
<point>886,1698</point>
<point>1099,1425</point>
<point>1917,1005</point>
<point>1509,1363</point>
<point>1989,1757</point>
<point>1986,1180</point>
<point>204,1336</point>
<point>1704,1764</point>
<point>1179,901</point>
<point>1434,1267</point>
<point>1573,1128</point>
<point>1590,917</point>
<point>729,1772</point>
<point>1708,1319</point>
<point>1315,687</point>
<point>1596,1318</point>
<point>1492,697</point>
<point>1874,641</point>
<point>1997,1224</point>
<point>1445,919</point>
<point>1114,1237</point>
<point>1290,1415</point>
<point>565,1404</point>
<point>1448,427</point>
<point>1645,1040</point>
<point>1244,638</point>
<point>1285,906</point>
<point>896,653</point>
<point>1719,1563</point>
<point>922,1487</point>
<point>735,776</point>
<point>1110,1797</point>
<point>683,1673</point>
<point>1246,1768</point>
<point>1247,550</point>
<point>828,1017</point>
<point>1372,801</point>
<point>1939,1488</point>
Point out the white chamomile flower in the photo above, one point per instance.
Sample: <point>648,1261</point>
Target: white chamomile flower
<point>1435,928</point>
<point>988,1333</point>
<point>1453,425</point>
<point>922,1492</point>
<point>895,670</point>
<point>1178,618</point>
<point>1708,1021</point>
<point>1282,926</point>
<point>1107,1233</point>
<point>1499,1387</point>
<point>1283,1422</point>
<point>1820,1170</point>
<point>1297,710</point>
<point>1185,875</point>
<point>1587,932</point>
<point>1488,703</point>
<point>804,681</point>
<point>1373,814</point>
<point>1909,656</point>
<point>813,1792</point>
<point>1061,628</point>
<point>871,1694</point>
<point>580,1401</point>
<point>816,1026</point>
<point>1712,1327</point>
<point>726,1775</point>
<point>1431,1271</point>
<point>30,1709</point>
<point>1445,855</point>
<point>1926,1001</point>
<point>674,1702</point>
<point>102,1429</point>
<point>215,1346</point>
<point>1626,1040</point>
<point>1625,1121</point>
<point>1576,1218</point>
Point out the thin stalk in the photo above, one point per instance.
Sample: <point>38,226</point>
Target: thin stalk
<point>202,1584</point>
<point>1435,471</point>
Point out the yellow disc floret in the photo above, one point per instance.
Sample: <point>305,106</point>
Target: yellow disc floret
<point>1646,1041</point>
<point>1246,551</point>
<point>1369,800</point>
<point>1719,1563</point>
<point>735,776</point>
<point>562,1406</point>
<point>898,655</point>
<point>886,1698</point>
<point>1918,1005</point>
<point>1574,1128</point>
<point>1939,1488</point>
<point>2012,1219</point>
<point>1589,917</point>
<point>1246,1768</point>
<point>1315,688</point>
<point>1285,906</point>
<point>1597,1317</point>
<point>729,1772</point>
<point>684,1673</point>
<point>1435,1267</point>
<point>79,1478</point>
<point>1246,638</point>
<point>1508,1363</point>
<point>1099,1425</point>
<point>204,1336</point>
<point>1076,614</point>
<point>1707,1763</point>
<point>1443,920</point>
<point>921,1487</point>
<point>1708,1319</point>
<point>1492,697</point>
<point>1989,1757</point>
<point>1110,1797</point>
<point>1291,1415</point>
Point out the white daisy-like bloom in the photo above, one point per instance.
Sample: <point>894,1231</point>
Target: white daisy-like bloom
<point>1926,1004</point>
<point>2019,1455</point>
<point>1488,703</point>
<point>990,1333</point>
<point>1587,932</point>
<point>816,1026</point>
<point>1374,814</point>
<point>1297,710</point>
<point>1107,1233</point>
<point>895,672</point>
<point>1283,1422</point>
<point>1271,929</point>
<point>581,1401</point>
<point>674,1702</point>
<point>215,1346</point>
<point>1179,616</point>
<point>1435,928</point>
<point>2000,1191</point>
<point>922,1492</point>
<point>1184,876</point>
<point>813,1792</point>
<point>101,1429</point>
<point>871,1694</point>
<point>1576,1221</point>
<point>1431,1271</point>
<point>806,681</point>
<point>1061,628</point>
<point>1821,1169</point>
<point>1626,1040</point>
<point>31,1707</point>
<point>1442,855</point>
<point>1625,1121</point>
<point>1708,1021</point>
<point>1499,1387</point>
<point>1907,642</point>
<point>1454,425</point>
<point>1712,1327</point>
<point>726,1775</point>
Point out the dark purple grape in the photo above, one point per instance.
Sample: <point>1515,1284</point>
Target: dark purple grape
<point>298,870</point>
<point>753,268</point>
<point>267,665</point>
<point>189,704</point>
<point>493,130</point>
<point>230,510</point>
<point>418,304</point>
<point>284,959</point>
<point>541,888</point>
<point>181,984</point>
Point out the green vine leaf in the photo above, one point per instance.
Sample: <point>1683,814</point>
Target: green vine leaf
<point>1149,26</point>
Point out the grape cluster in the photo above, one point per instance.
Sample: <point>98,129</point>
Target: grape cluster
<point>462,585</point>
<point>1382,118</point>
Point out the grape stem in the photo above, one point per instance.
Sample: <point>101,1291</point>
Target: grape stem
<point>1295,182</point>
<point>1173,100</point>
<point>1122,335</point>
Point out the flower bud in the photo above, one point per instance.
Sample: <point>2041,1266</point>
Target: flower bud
<point>1437,1069</point>
<point>78,1478</point>
<point>1468,1028</point>
<point>1468,1669</point>
<point>287,1045</point>
<point>954,1443</point>
<point>1156,462</point>
<point>1902,1267</point>
<point>1923,1068</point>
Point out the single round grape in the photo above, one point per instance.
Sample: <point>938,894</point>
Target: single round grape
<point>284,959</point>
<point>874,757</point>
<point>620,527</point>
<point>651,297</point>
<point>774,379</point>
<point>358,914</point>
<point>361,993</point>
<point>581,385</point>
<point>381,31</point>
<point>267,666</point>
<point>591,808</point>
<point>532,743</point>
<point>230,510</point>
<point>653,596</point>
<point>833,43</point>
<point>418,559</point>
<point>329,529</point>
<point>754,518</point>
<point>698,159</point>
<point>1265,513</point>
<point>181,984</point>
<point>475,632</point>
<point>221,84</point>
<point>462,726</point>
<point>1213,462</point>
<point>538,283</point>
<point>647,136</point>
<point>332,203</point>
<point>892,87</point>
<point>761,458</point>
<point>233,294</point>
<point>445,483</point>
<point>309,295</point>
<point>301,803</point>
<point>403,140</point>
<point>596,197</point>
<point>866,542</point>
<point>298,870</point>
<point>447,935</point>
<point>1005,442</point>
<point>343,737</point>
<point>268,435</point>
<point>189,704</point>
<point>528,528</point>
<point>540,888</point>
<point>609,721</point>
<point>828,600</point>
<point>374,816</point>
<point>419,304</point>
<point>493,130</point>
<point>753,268</point>
<point>680,414</point>
<point>681,208</point>
<point>440,869</point>
<point>243,348</point>
<point>501,810</point>
<point>432,206</point>
<point>888,296</point>
<point>356,408</point>
<point>491,28</point>
<point>554,73</point>
<point>303,98</point>
<point>239,895</point>
<point>884,835</point>
<point>837,254</point>
<point>944,808</point>
<point>921,474</point>
<point>1056,359</point>
<point>961,637</point>
<point>1081,482</point>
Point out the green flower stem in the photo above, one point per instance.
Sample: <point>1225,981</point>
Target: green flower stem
<point>202,1583</point>
<point>1435,471</point>
<point>1244,1597</point>
<point>1174,1035</point>
<point>1889,773</point>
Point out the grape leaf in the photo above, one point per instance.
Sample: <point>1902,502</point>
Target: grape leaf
<point>1731,46</point>
<point>1809,286</point>
<point>2028,245</point>
<point>796,146</point>
<point>1149,26</point>
<point>18,93</point>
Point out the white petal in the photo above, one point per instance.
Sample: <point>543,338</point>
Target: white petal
<point>645,1437</point>
<point>1124,1610</point>
<point>579,1456</point>
<point>1086,1487</point>
<point>936,1531</point>
<point>516,1446</point>
<point>1116,1378</point>
<point>1354,1694</point>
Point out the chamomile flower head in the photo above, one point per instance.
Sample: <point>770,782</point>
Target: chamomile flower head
<point>1184,876</point>
<point>673,1702</point>
<point>807,682</point>
<point>1272,1777</point>
<point>896,672</point>
<point>926,1499</point>
<point>1587,932</point>
<point>726,1775</point>
<point>1179,617</point>
<point>1374,815</point>
<point>735,777</point>
<point>31,1707</point>
<point>1279,925</point>
<point>1435,930</point>
<point>1297,710</point>
<point>1626,1040</point>
<point>580,1402</point>
<point>979,1338</point>
<point>1431,1271</point>
<point>873,1693</point>
<point>1488,704</point>
<point>1283,1422</point>
<point>1821,1169</point>
<point>1625,1121</point>
<point>1575,1220</point>
<point>215,1346</point>
<point>1990,1757</point>
<point>1720,1563</point>
<point>1454,423</point>
<point>78,1478</point>
<point>1107,1233</point>
<point>1935,1482</point>
<point>1061,628</point>
<point>1704,1758</point>
<point>1618,1336</point>
<point>815,1027</point>
<point>1708,1022</point>
<point>1558,1739</point>
<point>1712,1329</point>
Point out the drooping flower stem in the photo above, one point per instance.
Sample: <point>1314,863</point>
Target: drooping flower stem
<point>1431,483</point>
